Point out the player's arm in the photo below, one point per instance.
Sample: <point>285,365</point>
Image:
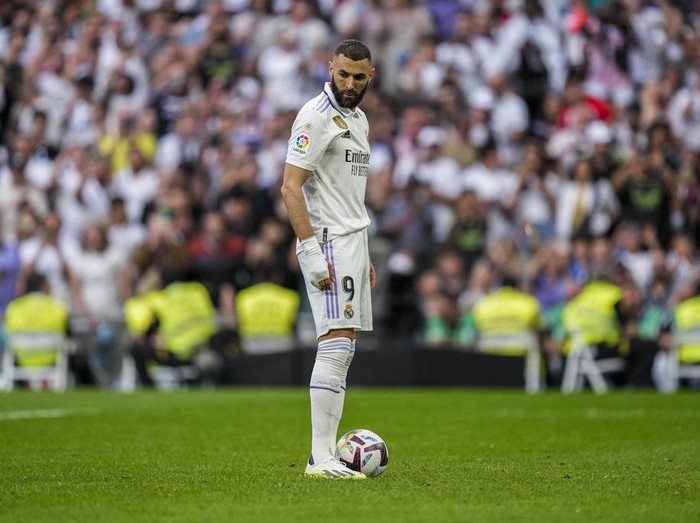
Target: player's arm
<point>294,179</point>
<point>321,274</point>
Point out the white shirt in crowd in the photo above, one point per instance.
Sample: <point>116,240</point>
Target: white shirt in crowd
<point>280,68</point>
<point>491,185</point>
<point>443,175</point>
<point>533,206</point>
<point>509,118</point>
<point>125,237</point>
<point>49,261</point>
<point>495,186</point>
<point>11,196</point>
<point>684,115</point>
<point>137,190</point>
<point>98,274</point>
<point>78,205</point>
<point>598,200</point>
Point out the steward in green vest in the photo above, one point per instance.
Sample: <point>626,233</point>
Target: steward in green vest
<point>646,318</point>
<point>267,315</point>
<point>172,325</point>
<point>594,313</point>
<point>686,318</point>
<point>507,311</point>
<point>36,313</point>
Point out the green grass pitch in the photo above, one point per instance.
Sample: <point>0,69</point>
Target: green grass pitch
<point>236,455</point>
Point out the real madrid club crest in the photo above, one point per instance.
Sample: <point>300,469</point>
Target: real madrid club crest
<point>349,313</point>
<point>340,122</point>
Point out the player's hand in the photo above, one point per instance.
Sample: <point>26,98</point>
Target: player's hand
<point>321,274</point>
<point>326,284</point>
<point>372,275</point>
<point>320,271</point>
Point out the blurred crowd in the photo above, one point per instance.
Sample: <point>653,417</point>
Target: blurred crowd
<point>551,141</point>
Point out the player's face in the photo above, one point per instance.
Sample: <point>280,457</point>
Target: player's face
<point>349,80</point>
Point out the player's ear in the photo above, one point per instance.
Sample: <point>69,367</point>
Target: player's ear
<point>371,74</point>
<point>330,68</point>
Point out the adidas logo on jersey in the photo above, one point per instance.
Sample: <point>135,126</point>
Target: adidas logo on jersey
<point>346,134</point>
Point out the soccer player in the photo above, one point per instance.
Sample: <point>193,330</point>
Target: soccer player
<point>325,177</point>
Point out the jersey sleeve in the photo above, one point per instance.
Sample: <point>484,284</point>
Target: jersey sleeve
<point>308,141</point>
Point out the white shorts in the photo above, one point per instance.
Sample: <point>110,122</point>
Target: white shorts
<point>348,303</point>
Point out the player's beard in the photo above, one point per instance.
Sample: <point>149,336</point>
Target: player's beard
<point>347,103</point>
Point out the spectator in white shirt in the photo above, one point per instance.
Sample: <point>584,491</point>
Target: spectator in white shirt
<point>509,120</point>
<point>83,197</point>
<point>280,67</point>
<point>180,147</point>
<point>46,254</point>
<point>636,255</point>
<point>494,184</point>
<point>314,33</point>
<point>684,113</point>
<point>535,199</point>
<point>585,205</point>
<point>38,169</point>
<point>413,118</point>
<point>16,191</point>
<point>455,53</point>
<point>122,234</point>
<point>481,103</point>
<point>99,277</point>
<point>422,74</point>
<point>137,185</point>
<point>81,126</point>
<point>442,175</point>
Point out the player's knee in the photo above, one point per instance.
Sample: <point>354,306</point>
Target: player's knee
<point>338,333</point>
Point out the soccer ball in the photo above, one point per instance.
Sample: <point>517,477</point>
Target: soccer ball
<point>362,450</point>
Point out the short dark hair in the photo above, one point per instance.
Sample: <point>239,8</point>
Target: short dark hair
<point>487,148</point>
<point>510,280</point>
<point>353,49</point>
<point>176,266</point>
<point>36,282</point>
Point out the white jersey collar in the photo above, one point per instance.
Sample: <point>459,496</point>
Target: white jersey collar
<point>331,97</point>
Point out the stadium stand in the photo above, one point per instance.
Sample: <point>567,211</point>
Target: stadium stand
<point>530,137</point>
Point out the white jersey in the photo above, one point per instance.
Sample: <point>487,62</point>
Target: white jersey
<point>331,142</point>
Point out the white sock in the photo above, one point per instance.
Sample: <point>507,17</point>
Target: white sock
<point>341,399</point>
<point>327,392</point>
